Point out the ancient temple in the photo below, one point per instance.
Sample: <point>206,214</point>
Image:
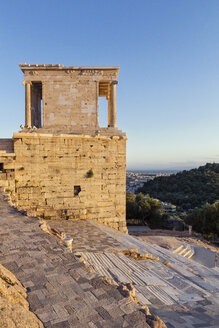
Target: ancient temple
<point>62,164</point>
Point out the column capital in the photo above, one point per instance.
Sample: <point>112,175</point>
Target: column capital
<point>114,82</point>
<point>27,82</point>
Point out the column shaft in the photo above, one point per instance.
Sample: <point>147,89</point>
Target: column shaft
<point>112,114</point>
<point>109,111</point>
<point>28,104</point>
<point>39,109</point>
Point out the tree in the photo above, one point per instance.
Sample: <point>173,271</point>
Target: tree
<point>205,219</point>
<point>145,209</point>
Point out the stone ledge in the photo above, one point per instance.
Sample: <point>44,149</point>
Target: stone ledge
<point>24,66</point>
<point>19,135</point>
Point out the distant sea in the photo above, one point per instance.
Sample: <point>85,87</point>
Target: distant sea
<point>155,171</point>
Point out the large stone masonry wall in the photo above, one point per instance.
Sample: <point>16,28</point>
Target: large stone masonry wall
<point>50,170</point>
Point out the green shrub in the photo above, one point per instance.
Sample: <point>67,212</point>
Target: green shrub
<point>90,173</point>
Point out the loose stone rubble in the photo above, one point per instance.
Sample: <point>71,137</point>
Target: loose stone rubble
<point>133,253</point>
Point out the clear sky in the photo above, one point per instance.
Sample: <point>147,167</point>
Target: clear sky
<point>168,53</point>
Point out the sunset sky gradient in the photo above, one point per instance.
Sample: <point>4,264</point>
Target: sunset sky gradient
<point>168,53</point>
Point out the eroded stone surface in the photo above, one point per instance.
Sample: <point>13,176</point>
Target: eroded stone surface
<point>14,308</point>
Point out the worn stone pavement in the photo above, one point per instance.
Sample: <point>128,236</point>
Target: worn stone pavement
<point>61,290</point>
<point>63,293</point>
<point>184,294</point>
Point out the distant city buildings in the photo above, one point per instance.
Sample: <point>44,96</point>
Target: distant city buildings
<point>135,180</point>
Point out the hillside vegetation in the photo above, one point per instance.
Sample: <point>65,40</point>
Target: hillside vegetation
<point>205,219</point>
<point>187,189</point>
<point>144,210</point>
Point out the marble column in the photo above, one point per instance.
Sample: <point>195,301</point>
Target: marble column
<point>109,111</point>
<point>112,112</point>
<point>39,109</point>
<point>28,104</point>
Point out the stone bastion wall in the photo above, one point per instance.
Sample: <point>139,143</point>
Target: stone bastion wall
<point>69,177</point>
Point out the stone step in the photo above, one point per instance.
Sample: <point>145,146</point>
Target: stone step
<point>9,166</point>
<point>184,250</point>
<point>188,253</point>
<point>3,153</point>
<point>191,254</point>
<point>177,249</point>
<point>165,255</point>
